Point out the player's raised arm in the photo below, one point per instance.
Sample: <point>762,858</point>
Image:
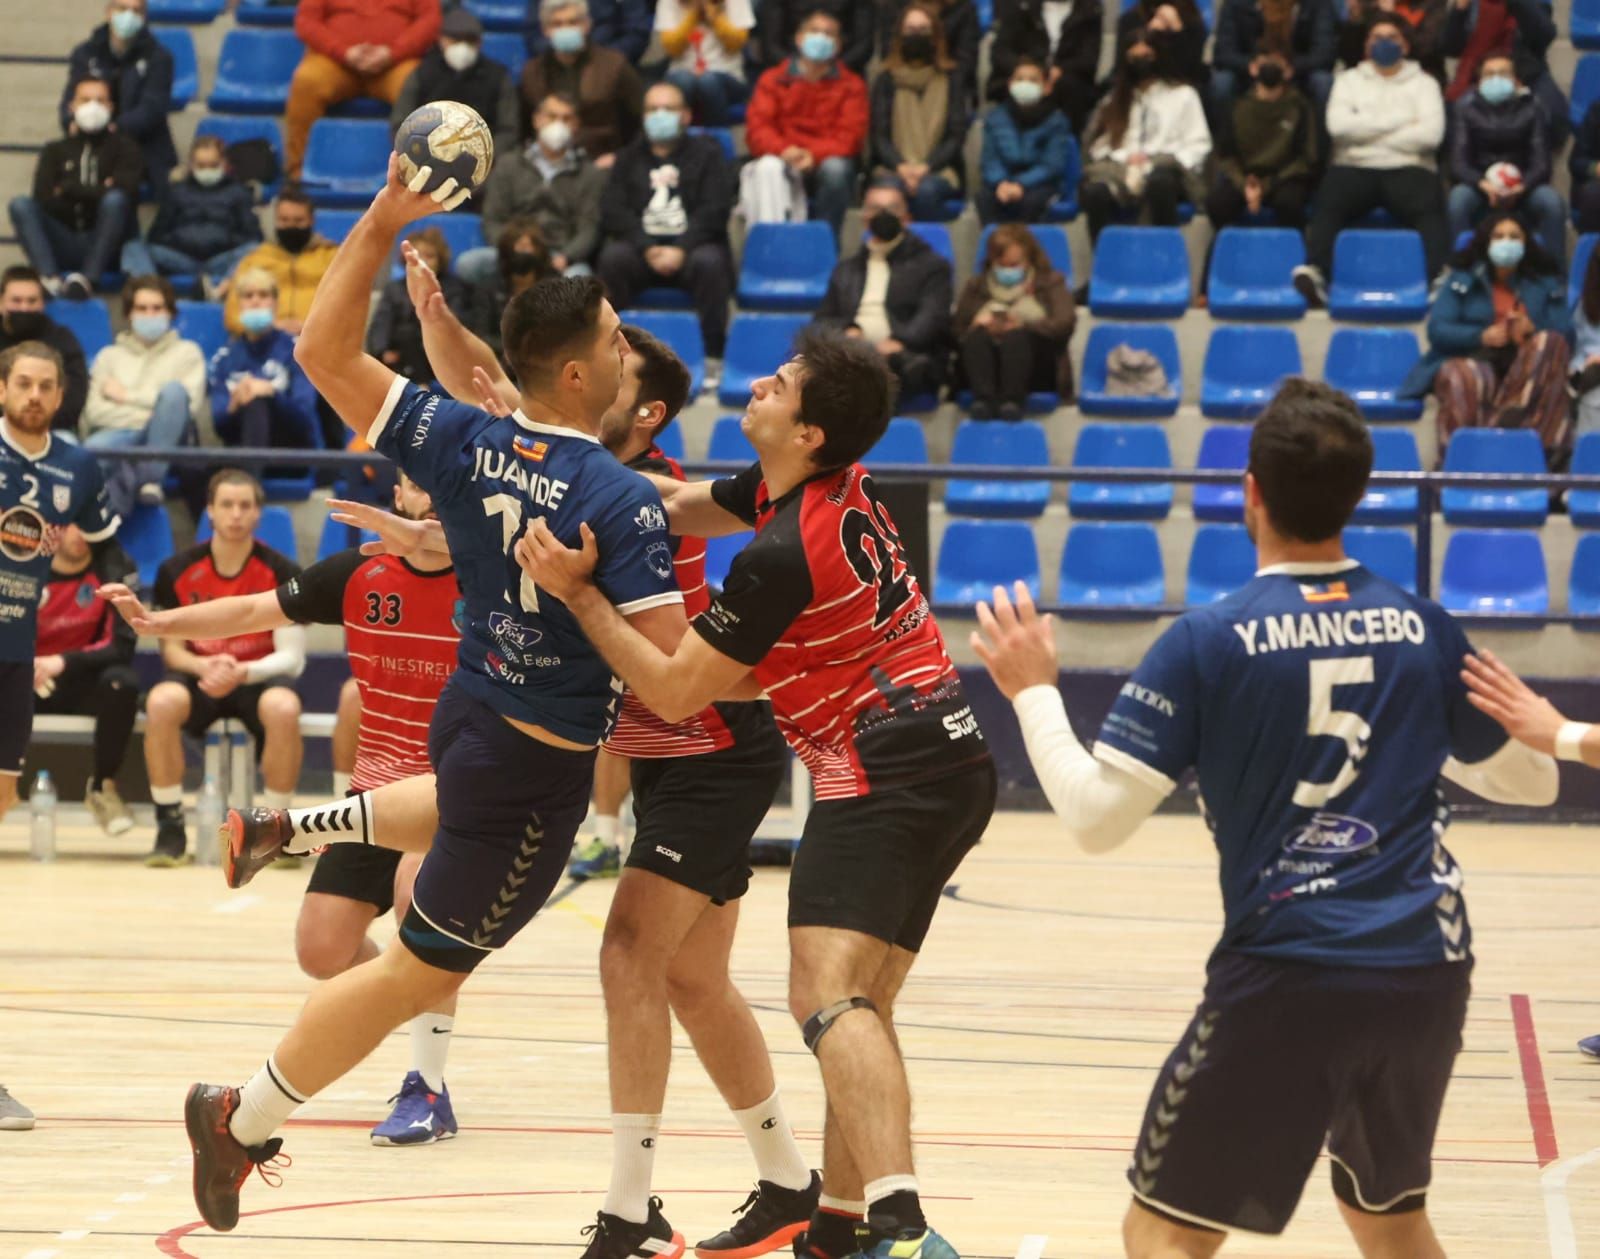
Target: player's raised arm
<point>456,352</point>
<point>216,618</point>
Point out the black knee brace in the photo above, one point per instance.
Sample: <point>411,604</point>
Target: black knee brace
<point>813,1029</point>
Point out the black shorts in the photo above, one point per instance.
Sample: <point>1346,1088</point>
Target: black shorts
<point>879,863</point>
<point>16,702</point>
<point>509,807</point>
<point>357,872</point>
<point>1281,1056</point>
<point>695,815</point>
<point>240,704</point>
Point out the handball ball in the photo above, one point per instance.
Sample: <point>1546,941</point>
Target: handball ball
<point>450,137</point>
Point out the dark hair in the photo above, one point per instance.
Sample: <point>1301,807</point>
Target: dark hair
<point>434,239</point>
<point>233,476</point>
<point>942,60</point>
<point>72,88</point>
<point>819,10</point>
<point>294,194</point>
<point>663,377</point>
<point>505,245</point>
<point>20,274</point>
<point>1310,455</point>
<point>32,349</point>
<point>1111,118</point>
<point>1029,59</point>
<point>208,142</point>
<point>544,323</point>
<point>846,390</point>
<point>1535,261</point>
<point>152,283</point>
<point>1008,234</point>
<point>1396,20</point>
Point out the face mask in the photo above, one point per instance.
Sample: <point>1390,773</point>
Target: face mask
<point>1270,74</point>
<point>92,117</point>
<point>555,136</point>
<point>1497,88</point>
<point>256,319</point>
<point>1506,252</point>
<point>1387,52</point>
<point>1027,93</point>
<point>884,225</point>
<point>294,239</point>
<point>1010,277</point>
<point>150,328</point>
<point>567,39</point>
<point>1141,68</point>
<point>817,46</point>
<point>662,125</point>
<point>207,176</point>
<point>26,324</point>
<point>461,56</point>
<point>917,48</point>
<point>523,263</point>
<point>125,24</point>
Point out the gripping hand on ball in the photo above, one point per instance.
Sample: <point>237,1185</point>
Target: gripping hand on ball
<point>405,202</point>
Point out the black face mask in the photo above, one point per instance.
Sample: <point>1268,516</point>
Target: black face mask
<point>523,263</point>
<point>294,239</point>
<point>1270,74</point>
<point>917,49</point>
<point>884,225</point>
<point>26,324</point>
<point>1141,68</point>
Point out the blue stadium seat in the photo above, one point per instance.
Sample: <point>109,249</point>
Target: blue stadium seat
<point>1378,277</point>
<point>1583,506</point>
<point>938,236</point>
<point>669,441</point>
<point>263,13</point>
<point>1022,444</point>
<point>681,331</point>
<point>1585,23</point>
<point>231,128</point>
<point>728,442</point>
<point>1494,570</point>
<point>1065,207</point>
<point>757,346</point>
<point>1580,263</point>
<point>346,161</point>
<point>1140,273</point>
<point>720,553</point>
<point>338,537</point>
<point>275,530</point>
<point>1053,240</point>
<point>904,441</point>
<point>90,323</point>
<point>336,224</point>
<point>1583,584</point>
<point>185,69</point>
<point>1390,553</point>
<point>198,12</point>
<point>786,266</point>
<point>1221,561</point>
<point>146,535</point>
<point>1369,364</point>
<point>975,556</point>
<point>1585,88</point>
<point>201,322</point>
<point>1244,367</point>
<point>1112,564</point>
<point>253,71</point>
<point>508,48</point>
<point>1222,446</point>
<point>723,136</point>
<point>1250,274</point>
<point>1160,340</point>
<point>1509,450</point>
<point>1120,446</point>
<point>462,231</point>
<point>985,15</point>
<point>500,15</point>
<point>1393,450</point>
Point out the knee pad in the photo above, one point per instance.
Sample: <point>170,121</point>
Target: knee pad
<point>815,1027</point>
<point>1346,1190</point>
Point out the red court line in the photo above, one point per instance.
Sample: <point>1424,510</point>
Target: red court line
<point>1544,1129</point>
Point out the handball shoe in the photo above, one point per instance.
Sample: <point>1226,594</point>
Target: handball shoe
<point>252,839</point>
<point>106,804</point>
<point>172,844</point>
<point>420,1115</point>
<point>14,1116</point>
<point>616,1238</point>
<point>1589,1046</point>
<point>596,860</point>
<point>771,1217</point>
<point>221,1164</point>
<point>910,1243</point>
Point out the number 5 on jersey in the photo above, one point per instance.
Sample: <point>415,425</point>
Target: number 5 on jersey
<point>1322,718</point>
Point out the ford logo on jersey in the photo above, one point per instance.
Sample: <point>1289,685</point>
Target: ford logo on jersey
<point>1333,833</point>
<point>505,630</point>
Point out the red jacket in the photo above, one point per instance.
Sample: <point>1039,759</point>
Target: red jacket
<point>827,117</point>
<point>407,28</point>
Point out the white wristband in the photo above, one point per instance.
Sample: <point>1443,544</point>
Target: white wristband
<point>1569,740</point>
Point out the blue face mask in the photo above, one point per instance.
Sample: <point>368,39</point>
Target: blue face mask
<point>1010,276</point>
<point>256,319</point>
<point>817,46</point>
<point>1497,88</point>
<point>125,24</point>
<point>662,125</point>
<point>1506,252</point>
<point>1387,52</point>
<point>567,39</point>
<point>150,328</point>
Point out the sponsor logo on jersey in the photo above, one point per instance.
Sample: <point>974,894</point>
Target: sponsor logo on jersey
<point>24,535</point>
<point>419,431</point>
<point>61,496</point>
<point>497,667</point>
<point>658,555</point>
<point>1150,699</point>
<point>1333,833</point>
<point>961,723</point>
<point>529,449</point>
<point>651,519</point>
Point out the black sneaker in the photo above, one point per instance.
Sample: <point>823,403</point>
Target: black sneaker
<point>617,1238</point>
<point>172,844</point>
<point>221,1164</point>
<point>771,1217</point>
<point>1310,284</point>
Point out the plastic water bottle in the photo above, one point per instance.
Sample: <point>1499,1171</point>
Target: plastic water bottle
<point>208,821</point>
<point>42,805</point>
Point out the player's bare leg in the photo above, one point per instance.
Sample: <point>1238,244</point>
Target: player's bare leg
<point>166,709</point>
<point>718,1020</point>
<point>1146,1235</point>
<point>330,935</point>
<point>1408,1235</point>
<point>601,856</point>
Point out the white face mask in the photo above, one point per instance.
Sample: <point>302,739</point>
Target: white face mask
<point>208,176</point>
<point>555,136</point>
<point>461,55</point>
<point>92,117</point>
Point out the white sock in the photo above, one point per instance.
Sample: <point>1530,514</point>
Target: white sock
<point>430,1042</point>
<point>771,1139</point>
<point>341,783</point>
<point>264,1103</point>
<point>842,1206</point>
<point>277,799</point>
<point>346,821</point>
<point>166,795</point>
<point>605,827</point>
<point>633,1157</point>
<point>878,1190</point>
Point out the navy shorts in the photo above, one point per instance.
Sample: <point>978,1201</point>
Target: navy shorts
<point>16,702</point>
<point>509,807</point>
<point>1282,1056</point>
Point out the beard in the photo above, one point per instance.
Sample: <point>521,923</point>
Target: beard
<point>31,420</point>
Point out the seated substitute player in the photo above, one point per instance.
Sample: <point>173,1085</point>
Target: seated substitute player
<point>513,736</point>
<point>400,634</point>
<point>45,485</point>
<point>245,676</point>
<point>821,610</point>
<point>83,662</point>
<point>1320,706</point>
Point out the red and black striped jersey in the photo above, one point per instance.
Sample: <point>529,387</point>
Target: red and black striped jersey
<point>192,576</point>
<point>824,608</point>
<point>402,632</point>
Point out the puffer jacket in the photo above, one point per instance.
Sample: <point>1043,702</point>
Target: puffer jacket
<point>204,222</point>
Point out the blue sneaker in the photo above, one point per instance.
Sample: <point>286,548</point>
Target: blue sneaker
<point>1589,1046</point>
<point>596,860</point>
<point>420,1115</point>
<point>913,1244</point>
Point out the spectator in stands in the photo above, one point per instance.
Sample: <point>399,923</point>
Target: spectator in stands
<point>1524,28</point>
<point>665,212</point>
<point>1304,33</point>
<point>805,128</point>
<point>122,53</point>
<point>1064,38</point>
<point>1500,158</point>
<point>145,389</point>
<point>1427,30</point>
<point>85,187</point>
<point>601,80</point>
<point>553,183</point>
<point>1385,120</point>
<point>779,24</point>
<point>1584,165</point>
<point>455,69</point>
<point>522,259</point>
<point>1499,340</point>
<point>247,678</point>
<point>919,117</point>
<point>83,662</point>
<point>894,292</point>
<point>704,41</point>
<point>1026,141</point>
<point>1148,144</point>
<point>620,24</point>
<point>297,260</point>
<point>1176,29</point>
<point>1584,370</point>
<point>1269,152</point>
<point>962,30</point>
<point>354,48</point>
<point>206,224</point>
<point>259,394</point>
<point>395,334</point>
<point>23,318</point>
<point>1013,321</point>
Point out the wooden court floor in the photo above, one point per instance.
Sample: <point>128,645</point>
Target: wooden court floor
<point>1052,986</point>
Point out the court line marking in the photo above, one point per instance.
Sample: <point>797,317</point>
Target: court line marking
<point>1032,1246</point>
<point>1533,1085</point>
<point>236,904</point>
<point>1557,1210</point>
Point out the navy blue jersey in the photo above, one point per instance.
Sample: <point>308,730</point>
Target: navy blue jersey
<point>1317,706</point>
<point>40,496</point>
<point>522,651</point>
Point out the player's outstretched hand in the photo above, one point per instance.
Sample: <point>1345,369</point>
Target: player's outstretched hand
<point>1527,716</point>
<point>396,534</point>
<point>1016,644</point>
<point>127,604</point>
<point>422,286</point>
<point>496,394</point>
<point>553,565</point>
